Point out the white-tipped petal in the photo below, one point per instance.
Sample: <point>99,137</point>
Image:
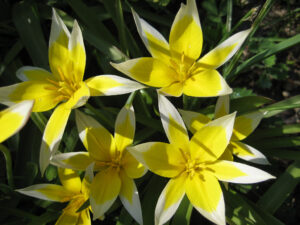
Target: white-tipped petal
<point>223,52</point>
<point>222,106</point>
<point>172,123</point>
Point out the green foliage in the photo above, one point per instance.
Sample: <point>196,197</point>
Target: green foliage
<point>110,35</point>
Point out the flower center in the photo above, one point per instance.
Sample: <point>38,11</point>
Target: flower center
<point>193,166</point>
<point>65,87</point>
<point>183,68</point>
<point>75,203</point>
<point>115,162</point>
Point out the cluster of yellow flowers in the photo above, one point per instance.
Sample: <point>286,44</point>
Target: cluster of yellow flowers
<point>194,165</point>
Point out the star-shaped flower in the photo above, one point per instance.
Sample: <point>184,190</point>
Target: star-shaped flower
<point>175,67</point>
<point>117,167</point>
<point>64,86</point>
<point>194,166</point>
<point>72,190</point>
<point>244,125</point>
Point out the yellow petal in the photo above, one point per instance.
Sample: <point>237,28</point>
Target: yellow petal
<point>70,180</point>
<point>130,198</point>
<point>172,123</point>
<point>14,118</point>
<point>227,154</point>
<point>149,71</point>
<point>95,138</point>
<point>111,85</point>
<point>153,40</point>
<point>186,33</point>
<point>170,199</point>
<point>105,188</point>
<point>222,106</point>
<point>30,73</point>
<point>42,92</point>
<point>77,53</point>
<point>246,124</point>
<point>72,160</point>
<point>205,194</point>
<point>161,158</point>
<point>68,218</point>
<point>248,153</point>
<point>50,192</point>
<point>209,143</point>
<point>52,135</point>
<point>223,52</point>
<point>84,218</point>
<point>175,89</point>
<point>124,128</point>
<point>206,83</point>
<point>59,54</point>
<point>193,120</point>
<point>132,167</point>
<point>79,97</point>
<point>237,172</point>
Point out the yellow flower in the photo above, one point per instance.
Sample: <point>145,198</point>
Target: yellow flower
<point>174,66</point>
<point>14,118</point>
<point>64,85</point>
<point>244,125</point>
<point>72,190</point>
<point>194,166</point>
<point>117,167</point>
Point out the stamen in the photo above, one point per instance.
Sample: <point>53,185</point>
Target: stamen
<point>53,82</point>
<point>61,75</point>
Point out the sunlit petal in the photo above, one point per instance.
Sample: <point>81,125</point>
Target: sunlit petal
<point>153,40</point>
<point>30,73</point>
<point>105,188</point>
<point>206,83</point>
<point>223,52</point>
<point>52,135</point>
<point>79,97</point>
<point>96,139</point>
<point>238,173</point>
<point>149,71</point>
<point>58,47</point>
<point>130,198</point>
<point>172,123</point>
<point>77,53</point>
<point>209,143</point>
<point>161,158</point>
<point>193,120</point>
<point>50,192</point>
<point>175,89</point>
<point>222,106</point>
<point>132,167</point>
<point>248,153</point>
<point>14,118</point>
<point>205,193</point>
<point>124,128</point>
<point>246,124</point>
<point>72,160</point>
<point>41,91</point>
<point>170,199</point>
<point>186,33</point>
<point>70,180</point>
<point>111,85</point>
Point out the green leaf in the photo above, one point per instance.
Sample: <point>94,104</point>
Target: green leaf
<point>274,49</point>
<point>248,103</point>
<point>281,189</point>
<point>274,109</point>
<point>26,20</point>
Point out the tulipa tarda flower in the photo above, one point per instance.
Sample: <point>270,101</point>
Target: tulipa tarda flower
<point>174,67</point>
<point>14,118</point>
<point>117,167</point>
<point>64,85</point>
<point>72,190</point>
<point>194,166</point>
<point>244,125</point>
